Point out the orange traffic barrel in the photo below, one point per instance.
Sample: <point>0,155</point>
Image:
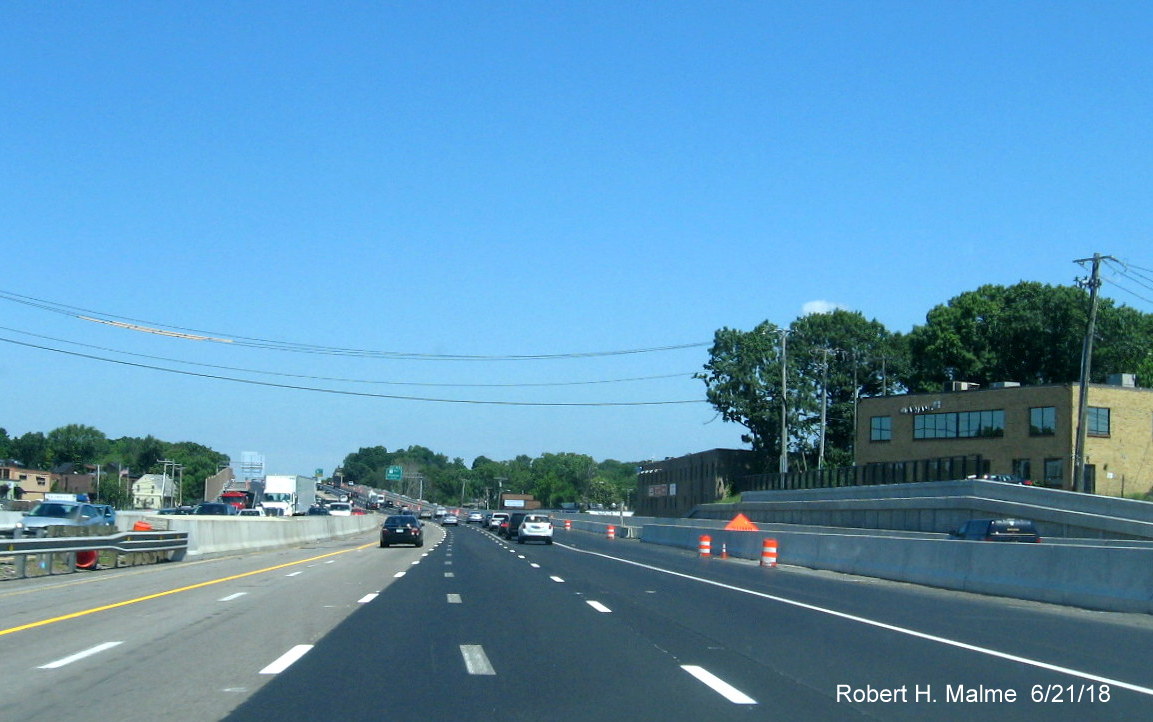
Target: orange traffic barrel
<point>706,545</point>
<point>769,553</point>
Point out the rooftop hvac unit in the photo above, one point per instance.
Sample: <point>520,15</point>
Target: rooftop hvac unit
<point>962,386</point>
<point>1126,380</point>
<point>1004,384</point>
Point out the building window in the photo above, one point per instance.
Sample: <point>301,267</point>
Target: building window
<point>1098,421</point>
<point>881,428</point>
<point>1054,472</point>
<point>1043,421</point>
<point>960,425</point>
<point>1023,468</point>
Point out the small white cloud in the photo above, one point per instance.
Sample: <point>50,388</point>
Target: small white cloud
<point>815,307</point>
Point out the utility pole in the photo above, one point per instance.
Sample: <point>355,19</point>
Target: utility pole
<point>784,459</point>
<point>1094,283</point>
<point>824,402</point>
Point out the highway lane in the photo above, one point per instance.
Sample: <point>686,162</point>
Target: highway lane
<point>183,641</point>
<point>575,629</point>
<point>527,631</point>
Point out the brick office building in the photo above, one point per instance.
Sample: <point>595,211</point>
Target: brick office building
<point>1025,430</point>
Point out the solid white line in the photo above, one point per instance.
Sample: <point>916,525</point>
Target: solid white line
<point>475,660</point>
<point>368,598</point>
<point>230,597</point>
<point>287,659</point>
<point>558,580</point>
<point>718,685</point>
<point>598,606</point>
<point>80,655</point>
<point>890,627</point>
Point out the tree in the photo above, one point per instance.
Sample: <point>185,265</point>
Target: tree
<point>31,449</point>
<point>76,444</point>
<point>839,355</point>
<point>1030,332</point>
<point>743,383</point>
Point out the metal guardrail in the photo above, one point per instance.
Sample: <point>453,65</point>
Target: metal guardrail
<point>174,544</point>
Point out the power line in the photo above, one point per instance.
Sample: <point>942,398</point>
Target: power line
<point>340,379</point>
<point>350,393</point>
<point>163,329</point>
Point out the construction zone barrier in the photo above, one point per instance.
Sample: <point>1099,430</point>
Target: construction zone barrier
<point>87,559</point>
<point>724,550</point>
<point>142,525</point>
<point>706,545</point>
<point>568,524</point>
<point>769,553</point>
<point>611,531</point>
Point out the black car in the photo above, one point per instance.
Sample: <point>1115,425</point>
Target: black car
<point>509,526</point>
<point>215,508</point>
<point>1004,530</point>
<point>402,529</point>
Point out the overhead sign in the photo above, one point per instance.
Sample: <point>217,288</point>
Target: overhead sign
<point>394,473</point>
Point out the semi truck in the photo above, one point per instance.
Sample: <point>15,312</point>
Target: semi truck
<point>288,495</point>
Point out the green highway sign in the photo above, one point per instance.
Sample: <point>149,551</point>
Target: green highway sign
<point>394,473</point>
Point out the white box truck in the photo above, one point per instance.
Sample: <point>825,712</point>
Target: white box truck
<point>288,495</point>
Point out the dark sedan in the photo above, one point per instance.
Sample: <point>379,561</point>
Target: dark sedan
<point>401,529</point>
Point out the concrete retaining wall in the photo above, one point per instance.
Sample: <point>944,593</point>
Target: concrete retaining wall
<point>939,507</point>
<point>1094,577</point>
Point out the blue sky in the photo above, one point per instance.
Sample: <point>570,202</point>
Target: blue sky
<point>503,179</point>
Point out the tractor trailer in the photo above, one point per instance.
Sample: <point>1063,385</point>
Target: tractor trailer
<point>286,495</point>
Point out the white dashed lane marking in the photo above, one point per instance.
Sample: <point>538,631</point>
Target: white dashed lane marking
<point>80,655</point>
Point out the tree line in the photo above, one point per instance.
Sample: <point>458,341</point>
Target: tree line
<point>1030,332</point>
<point>552,479</point>
<point>87,448</point>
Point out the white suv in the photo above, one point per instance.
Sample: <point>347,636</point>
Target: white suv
<point>495,520</point>
<point>535,526</point>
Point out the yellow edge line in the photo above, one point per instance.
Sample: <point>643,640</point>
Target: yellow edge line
<point>94,610</point>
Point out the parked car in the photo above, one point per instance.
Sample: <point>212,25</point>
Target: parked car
<point>402,529</point>
<point>1004,530</point>
<point>535,526</point>
<point>1004,478</point>
<point>63,513</point>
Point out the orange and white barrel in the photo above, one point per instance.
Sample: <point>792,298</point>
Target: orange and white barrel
<point>769,553</point>
<point>612,532</point>
<point>706,545</point>
<point>568,524</point>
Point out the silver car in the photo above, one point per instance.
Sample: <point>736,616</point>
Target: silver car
<point>63,513</point>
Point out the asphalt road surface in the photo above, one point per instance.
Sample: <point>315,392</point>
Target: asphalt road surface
<point>471,626</point>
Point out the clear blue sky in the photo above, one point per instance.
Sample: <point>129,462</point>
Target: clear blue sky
<point>512,178</point>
